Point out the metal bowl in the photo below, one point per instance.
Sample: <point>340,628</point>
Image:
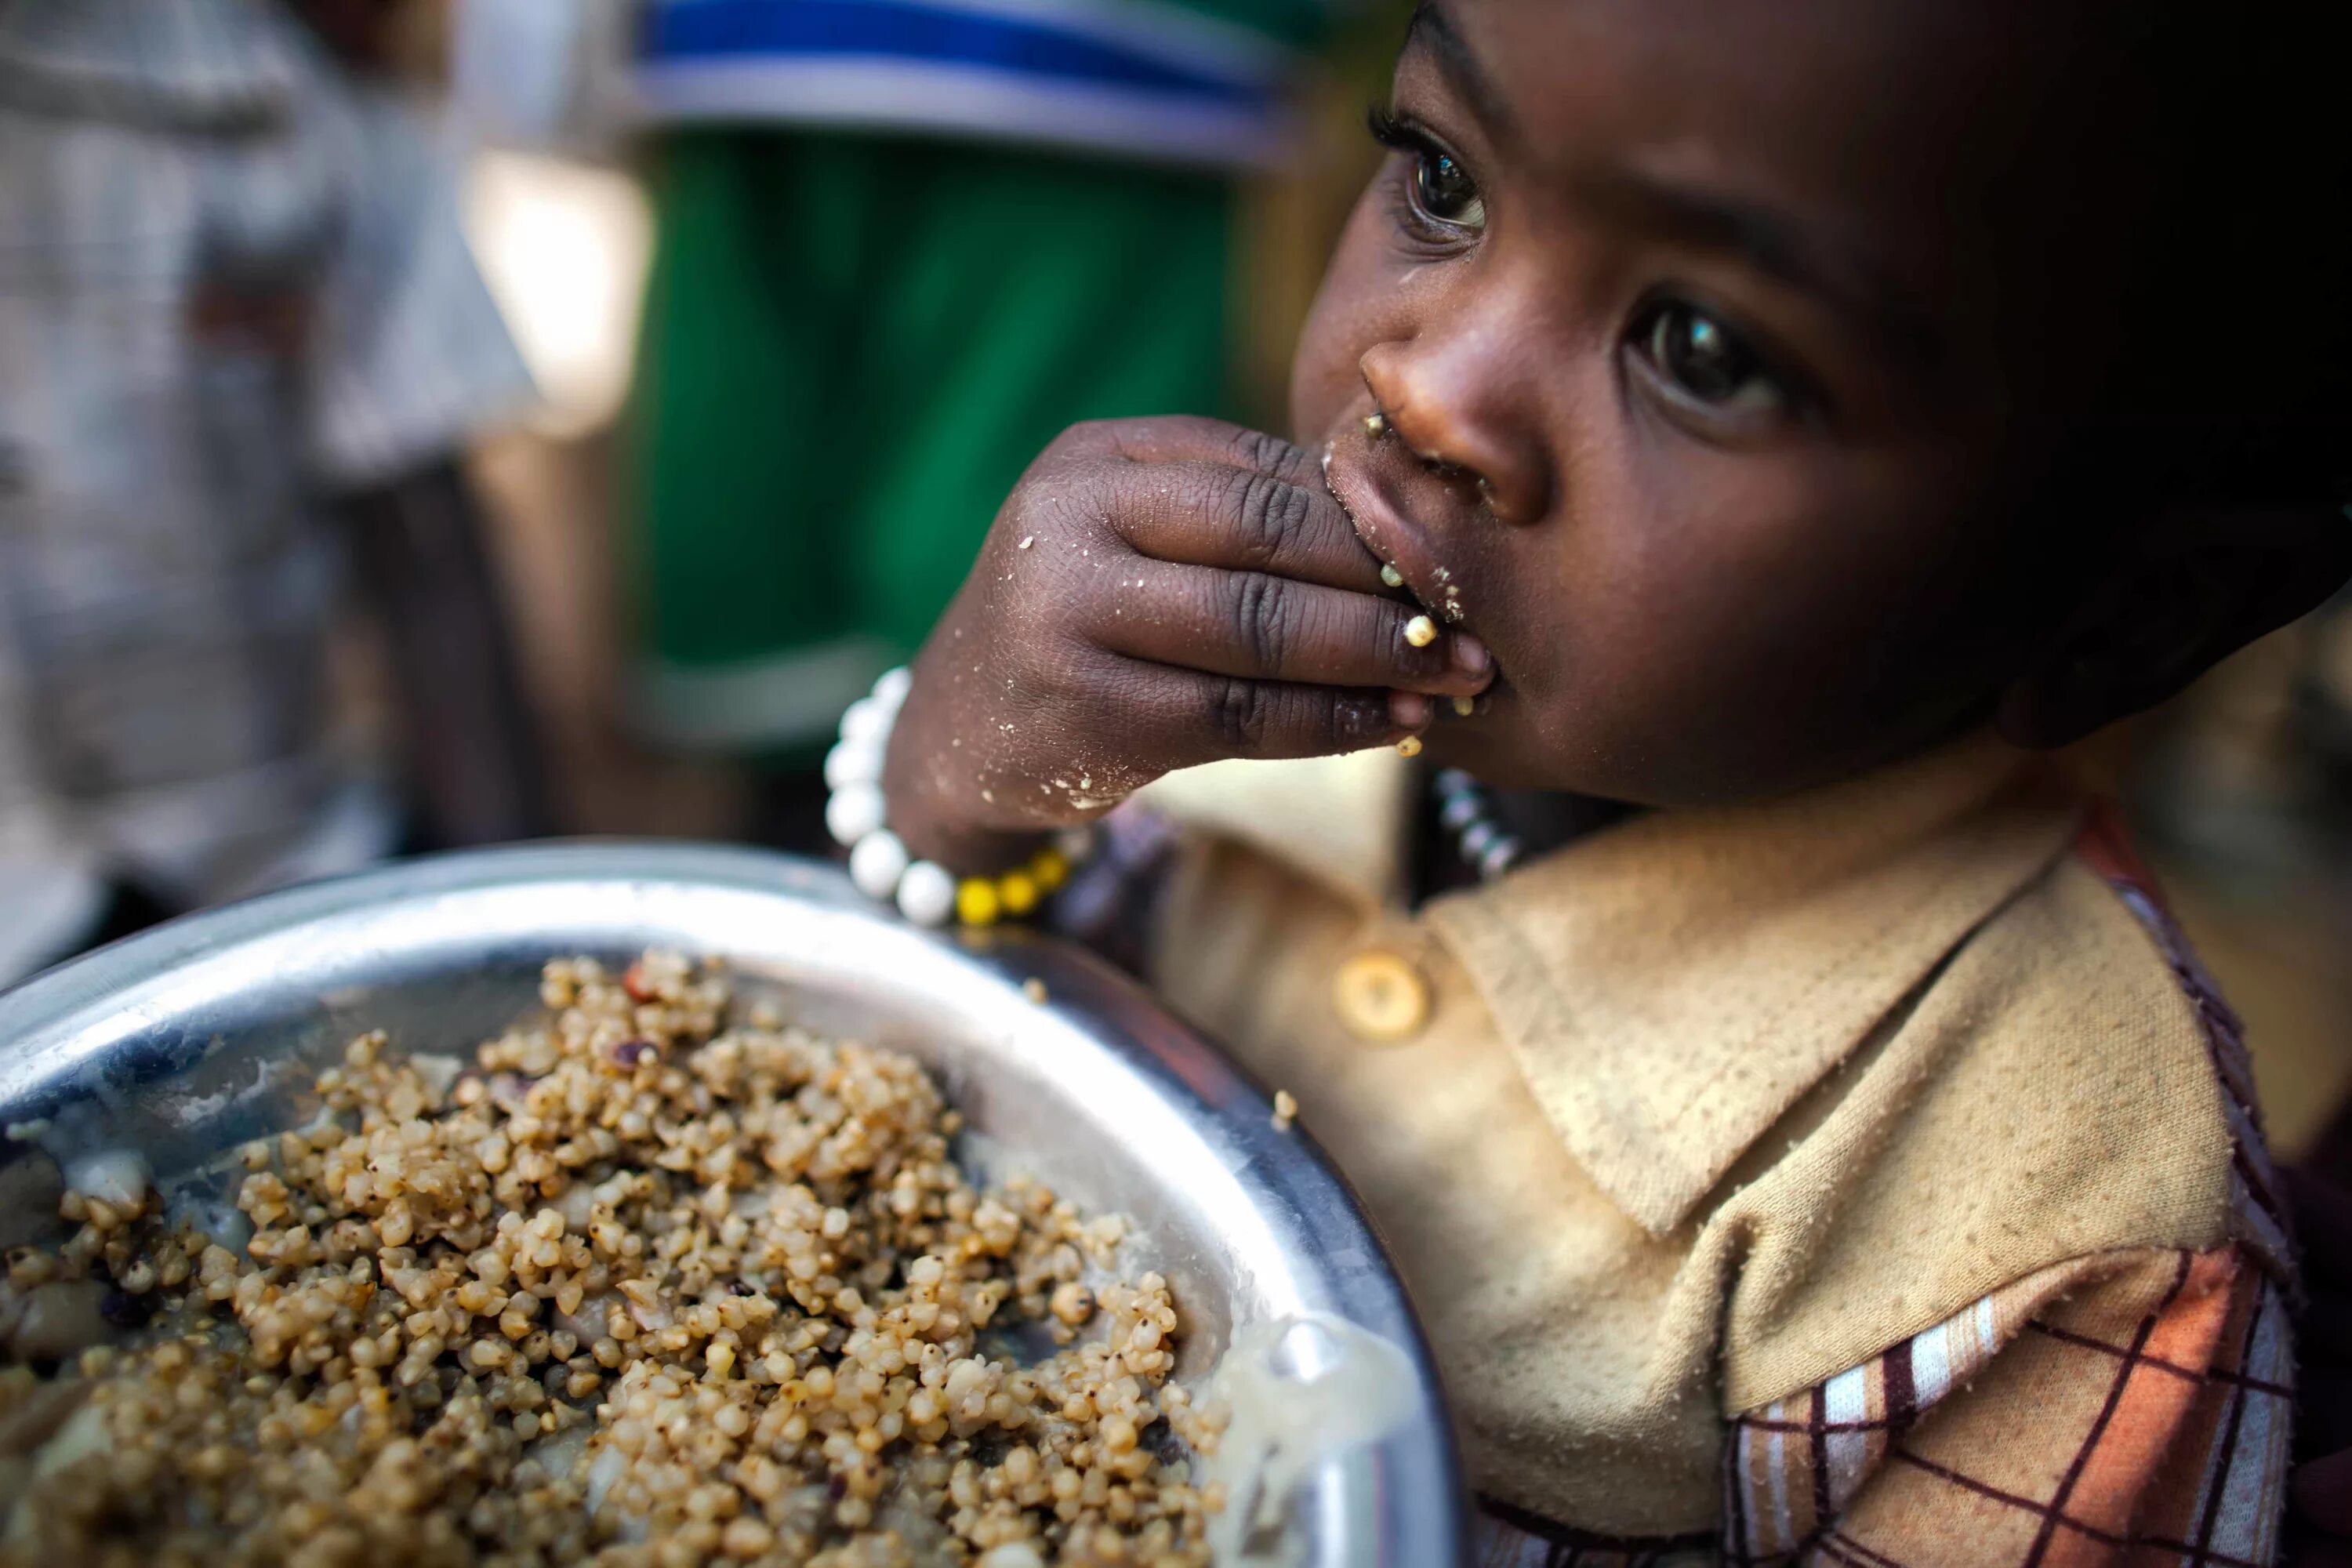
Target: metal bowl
<point>197,1037</point>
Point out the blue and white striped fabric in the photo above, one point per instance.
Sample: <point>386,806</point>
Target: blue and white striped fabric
<point>1141,77</point>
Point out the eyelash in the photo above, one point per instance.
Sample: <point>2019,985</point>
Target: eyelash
<point>1400,135</point>
<point>1392,132</point>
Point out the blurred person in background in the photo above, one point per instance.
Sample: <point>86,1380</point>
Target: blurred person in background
<point>891,239</point>
<point>241,344</point>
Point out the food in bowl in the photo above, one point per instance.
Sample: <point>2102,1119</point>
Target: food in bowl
<point>646,1283</point>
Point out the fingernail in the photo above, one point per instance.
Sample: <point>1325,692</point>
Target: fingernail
<point>1408,709</point>
<point>1470,654</point>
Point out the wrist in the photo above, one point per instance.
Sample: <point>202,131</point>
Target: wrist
<point>906,843</point>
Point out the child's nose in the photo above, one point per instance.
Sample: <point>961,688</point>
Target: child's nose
<point>1455,409</point>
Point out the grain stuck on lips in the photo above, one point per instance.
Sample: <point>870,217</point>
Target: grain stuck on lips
<point>648,1287</point>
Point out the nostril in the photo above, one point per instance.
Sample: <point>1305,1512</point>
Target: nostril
<point>1441,447</point>
<point>1443,468</point>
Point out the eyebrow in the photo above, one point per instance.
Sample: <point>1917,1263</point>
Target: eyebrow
<point>1712,220</point>
<point>1433,25</point>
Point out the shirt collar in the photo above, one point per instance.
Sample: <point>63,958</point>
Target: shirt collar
<point>1673,986</point>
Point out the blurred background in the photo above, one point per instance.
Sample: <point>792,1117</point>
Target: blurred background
<point>434,421</point>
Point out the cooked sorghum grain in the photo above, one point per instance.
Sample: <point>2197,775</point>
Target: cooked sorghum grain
<point>644,1289</point>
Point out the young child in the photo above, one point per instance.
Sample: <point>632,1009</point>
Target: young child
<point>1786,420</point>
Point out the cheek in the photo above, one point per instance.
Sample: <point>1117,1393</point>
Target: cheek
<point>1747,629</point>
<point>1348,319</point>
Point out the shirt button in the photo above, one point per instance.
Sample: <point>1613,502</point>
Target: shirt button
<point>1379,997</point>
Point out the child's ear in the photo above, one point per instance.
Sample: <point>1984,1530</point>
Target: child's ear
<point>2182,593</point>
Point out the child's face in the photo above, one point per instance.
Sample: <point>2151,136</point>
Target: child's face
<point>1705,295</point>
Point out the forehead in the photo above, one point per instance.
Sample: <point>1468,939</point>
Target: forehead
<point>1905,122</point>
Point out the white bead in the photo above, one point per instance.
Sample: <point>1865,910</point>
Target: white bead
<point>927,893</point>
<point>891,690</point>
<point>853,762</point>
<point>1075,844</point>
<point>867,720</point>
<point>854,811</point>
<point>878,863</point>
<point>1500,857</point>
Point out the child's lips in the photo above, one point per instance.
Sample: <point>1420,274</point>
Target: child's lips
<point>1368,478</point>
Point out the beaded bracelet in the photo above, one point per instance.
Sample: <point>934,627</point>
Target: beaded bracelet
<point>925,893</point>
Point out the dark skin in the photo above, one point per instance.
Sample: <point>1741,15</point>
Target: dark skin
<point>1729,360</point>
<point>1717,429</point>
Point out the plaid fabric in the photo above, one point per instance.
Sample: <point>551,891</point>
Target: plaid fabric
<point>2141,1418</point>
<point>2134,1408</point>
<point>230,285</point>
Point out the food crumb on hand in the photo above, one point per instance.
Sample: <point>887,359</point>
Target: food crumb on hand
<point>1285,1109</point>
<point>1028,540</point>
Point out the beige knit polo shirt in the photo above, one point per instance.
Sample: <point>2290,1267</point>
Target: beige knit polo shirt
<point>1718,1105</point>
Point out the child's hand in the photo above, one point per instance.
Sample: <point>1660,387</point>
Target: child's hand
<point>1155,593</point>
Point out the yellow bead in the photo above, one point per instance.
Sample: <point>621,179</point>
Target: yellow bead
<point>1018,890</point>
<point>977,902</point>
<point>1050,869</point>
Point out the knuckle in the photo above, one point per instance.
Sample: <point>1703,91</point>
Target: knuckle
<point>1256,449</point>
<point>1272,516</point>
<point>1240,714</point>
<point>1261,612</point>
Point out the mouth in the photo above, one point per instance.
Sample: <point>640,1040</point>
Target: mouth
<point>1369,478</point>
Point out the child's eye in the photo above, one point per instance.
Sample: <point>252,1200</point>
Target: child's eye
<point>1439,191</point>
<point>1708,362</point>
<point>1444,193</point>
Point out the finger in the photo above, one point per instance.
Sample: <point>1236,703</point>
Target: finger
<point>1210,514</point>
<point>1188,439</point>
<point>1202,717</point>
<point>1263,627</point>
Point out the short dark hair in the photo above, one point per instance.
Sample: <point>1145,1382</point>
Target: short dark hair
<point>2240,390</point>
